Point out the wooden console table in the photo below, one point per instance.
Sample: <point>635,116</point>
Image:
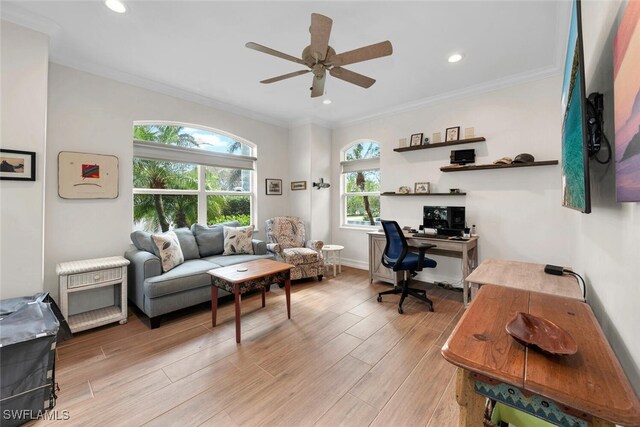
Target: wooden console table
<point>523,275</point>
<point>588,388</point>
<point>467,250</point>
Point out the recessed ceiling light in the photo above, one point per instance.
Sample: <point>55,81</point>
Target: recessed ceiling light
<point>326,102</point>
<point>116,6</point>
<point>456,57</point>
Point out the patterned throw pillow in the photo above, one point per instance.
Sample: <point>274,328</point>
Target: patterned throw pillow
<point>169,249</point>
<point>237,240</point>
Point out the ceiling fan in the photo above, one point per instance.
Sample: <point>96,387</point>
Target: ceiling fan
<point>320,57</point>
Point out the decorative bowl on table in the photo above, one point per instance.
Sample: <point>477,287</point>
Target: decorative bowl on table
<point>533,331</point>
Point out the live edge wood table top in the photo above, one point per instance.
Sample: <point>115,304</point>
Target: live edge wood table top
<point>589,384</point>
<point>245,277</point>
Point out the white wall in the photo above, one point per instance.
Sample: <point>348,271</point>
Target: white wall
<point>24,62</point>
<point>93,114</point>
<point>517,211</point>
<point>608,244</point>
<point>310,160</point>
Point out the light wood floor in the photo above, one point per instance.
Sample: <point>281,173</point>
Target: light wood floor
<point>342,360</point>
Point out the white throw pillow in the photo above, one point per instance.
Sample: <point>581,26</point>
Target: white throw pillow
<point>237,240</point>
<point>169,250</point>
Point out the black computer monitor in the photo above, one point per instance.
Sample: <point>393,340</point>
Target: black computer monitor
<point>444,218</point>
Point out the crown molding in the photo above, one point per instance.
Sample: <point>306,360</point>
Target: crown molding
<point>19,16</point>
<point>144,83</point>
<point>490,86</point>
<point>311,121</point>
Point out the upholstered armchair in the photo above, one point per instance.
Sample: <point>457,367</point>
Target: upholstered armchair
<point>285,237</point>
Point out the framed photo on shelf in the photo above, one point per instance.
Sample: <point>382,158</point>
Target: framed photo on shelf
<point>17,165</point>
<point>298,185</point>
<point>452,134</point>
<point>273,187</point>
<point>421,188</point>
<point>416,139</point>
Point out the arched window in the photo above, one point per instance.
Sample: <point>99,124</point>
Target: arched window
<point>186,174</point>
<point>360,187</point>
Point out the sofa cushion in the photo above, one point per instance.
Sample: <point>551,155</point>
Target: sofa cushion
<point>142,240</point>
<point>189,275</point>
<point>169,249</point>
<point>237,240</point>
<point>187,243</point>
<point>210,239</point>
<point>298,256</point>
<point>227,260</point>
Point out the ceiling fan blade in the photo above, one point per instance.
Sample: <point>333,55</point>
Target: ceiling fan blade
<point>285,76</point>
<point>268,50</point>
<point>320,30</point>
<point>351,77</point>
<point>366,53</point>
<point>318,85</point>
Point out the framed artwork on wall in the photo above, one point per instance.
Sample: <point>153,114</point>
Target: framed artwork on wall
<point>626,86</point>
<point>87,176</point>
<point>298,185</point>
<point>273,187</point>
<point>17,165</point>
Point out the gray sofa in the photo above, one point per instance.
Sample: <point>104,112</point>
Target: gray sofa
<point>157,293</point>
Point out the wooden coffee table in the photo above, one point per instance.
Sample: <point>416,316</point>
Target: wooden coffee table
<point>247,276</point>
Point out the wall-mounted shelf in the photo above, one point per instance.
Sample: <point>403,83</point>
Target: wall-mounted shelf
<point>388,193</point>
<point>455,168</point>
<point>440,144</point>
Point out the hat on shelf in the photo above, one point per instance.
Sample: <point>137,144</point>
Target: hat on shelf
<point>524,158</point>
<point>503,161</point>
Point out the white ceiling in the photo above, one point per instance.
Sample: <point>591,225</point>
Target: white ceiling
<point>196,49</point>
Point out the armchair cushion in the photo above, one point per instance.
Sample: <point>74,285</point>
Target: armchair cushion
<point>297,256</point>
<point>288,231</point>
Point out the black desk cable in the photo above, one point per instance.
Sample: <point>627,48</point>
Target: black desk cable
<point>584,286</point>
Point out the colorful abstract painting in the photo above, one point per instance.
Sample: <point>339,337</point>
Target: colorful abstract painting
<point>91,171</point>
<point>87,176</point>
<point>626,74</point>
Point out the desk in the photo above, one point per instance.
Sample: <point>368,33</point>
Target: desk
<point>466,250</point>
<point>523,275</point>
<point>587,388</point>
<point>247,276</point>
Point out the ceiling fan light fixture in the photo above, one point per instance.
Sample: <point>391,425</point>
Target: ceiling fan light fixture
<point>326,101</point>
<point>456,57</point>
<point>116,5</point>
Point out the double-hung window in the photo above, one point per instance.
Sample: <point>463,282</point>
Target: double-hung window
<point>360,187</point>
<point>183,175</point>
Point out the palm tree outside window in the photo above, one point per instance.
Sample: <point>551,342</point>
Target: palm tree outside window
<point>195,182</point>
<point>361,184</point>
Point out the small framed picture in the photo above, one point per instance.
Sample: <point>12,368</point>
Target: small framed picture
<point>298,185</point>
<point>422,188</point>
<point>273,187</point>
<point>452,134</point>
<point>17,165</point>
<point>416,139</point>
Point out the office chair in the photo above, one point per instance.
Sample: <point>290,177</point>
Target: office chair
<point>396,256</point>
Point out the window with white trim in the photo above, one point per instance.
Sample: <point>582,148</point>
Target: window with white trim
<point>360,186</point>
<point>185,175</point>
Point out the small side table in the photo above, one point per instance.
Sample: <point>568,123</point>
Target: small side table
<point>332,252</point>
<point>88,274</point>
